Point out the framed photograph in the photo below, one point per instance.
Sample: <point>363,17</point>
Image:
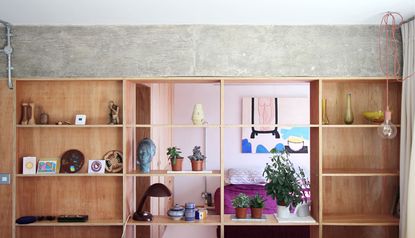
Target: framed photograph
<point>48,166</point>
<point>80,119</point>
<point>29,165</point>
<point>96,166</point>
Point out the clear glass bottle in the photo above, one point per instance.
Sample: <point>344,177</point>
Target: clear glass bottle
<point>348,114</point>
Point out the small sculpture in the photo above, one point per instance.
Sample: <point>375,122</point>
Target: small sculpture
<point>25,118</point>
<point>31,116</point>
<point>44,118</point>
<point>146,149</point>
<point>114,111</point>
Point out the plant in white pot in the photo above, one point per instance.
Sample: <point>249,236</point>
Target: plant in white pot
<point>241,204</point>
<point>282,182</point>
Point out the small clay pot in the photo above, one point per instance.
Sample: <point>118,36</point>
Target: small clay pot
<point>179,164</point>
<point>256,212</point>
<point>197,165</point>
<point>240,212</point>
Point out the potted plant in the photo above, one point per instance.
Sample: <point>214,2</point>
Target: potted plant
<point>241,204</point>
<point>303,209</point>
<point>257,205</point>
<point>282,182</point>
<point>175,158</point>
<point>197,159</point>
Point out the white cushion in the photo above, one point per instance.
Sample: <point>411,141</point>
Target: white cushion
<point>245,176</point>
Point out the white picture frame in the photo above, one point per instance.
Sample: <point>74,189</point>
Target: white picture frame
<point>80,119</point>
<point>29,165</point>
<point>96,166</point>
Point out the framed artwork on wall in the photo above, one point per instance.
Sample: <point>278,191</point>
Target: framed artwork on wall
<point>265,114</point>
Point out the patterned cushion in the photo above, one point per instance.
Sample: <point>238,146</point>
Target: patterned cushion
<point>245,176</point>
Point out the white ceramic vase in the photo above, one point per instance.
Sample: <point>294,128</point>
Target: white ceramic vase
<point>303,210</point>
<point>198,116</point>
<point>283,211</point>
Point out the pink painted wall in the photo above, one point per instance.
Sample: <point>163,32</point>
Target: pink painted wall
<point>185,96</point>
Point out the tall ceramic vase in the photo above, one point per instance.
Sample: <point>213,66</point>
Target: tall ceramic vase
<point>348,114</point>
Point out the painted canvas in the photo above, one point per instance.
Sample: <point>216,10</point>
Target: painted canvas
<point>264,113</point>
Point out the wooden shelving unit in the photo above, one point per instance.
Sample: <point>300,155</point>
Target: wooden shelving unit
<point>353,172</point>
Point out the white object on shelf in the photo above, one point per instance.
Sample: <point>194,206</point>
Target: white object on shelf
<point>295,219</point>
<point>189,172</point>
<point>29,165</point>
<point>248,218</point>
<point>96,166</point>
<point>80,120</point>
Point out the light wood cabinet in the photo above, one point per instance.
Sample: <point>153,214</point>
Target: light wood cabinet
<point>354,173</point>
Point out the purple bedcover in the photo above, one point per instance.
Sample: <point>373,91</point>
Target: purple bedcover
<point>233,190</point>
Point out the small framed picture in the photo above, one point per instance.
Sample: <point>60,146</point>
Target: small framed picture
<point>96,166</point>
<point>29,165</point>
<point>80,119</point>
<point>48,166</point>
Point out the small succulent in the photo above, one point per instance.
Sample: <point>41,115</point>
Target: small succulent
<point>257,201</point>
<point>197,155</point>
<point>241,201</point>
<point>173,153</point>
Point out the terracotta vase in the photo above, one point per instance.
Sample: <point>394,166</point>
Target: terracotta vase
<point>197,165</point>
<point>178,165</point>
<point>256,212</point>
<point>240,212</point>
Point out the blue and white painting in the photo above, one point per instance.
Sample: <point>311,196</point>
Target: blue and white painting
<point>265,114</point>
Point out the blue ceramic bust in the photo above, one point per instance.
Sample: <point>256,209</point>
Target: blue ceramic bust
<point>146,149</point>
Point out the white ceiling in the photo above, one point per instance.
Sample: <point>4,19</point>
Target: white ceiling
<point>222,12</point>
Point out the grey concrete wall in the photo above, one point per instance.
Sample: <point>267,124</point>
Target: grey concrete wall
<point>194,50</point>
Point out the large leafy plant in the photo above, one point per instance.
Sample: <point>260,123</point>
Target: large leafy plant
<point>282,179</point>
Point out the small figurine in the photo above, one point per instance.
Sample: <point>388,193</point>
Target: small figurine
<point>114,110</point>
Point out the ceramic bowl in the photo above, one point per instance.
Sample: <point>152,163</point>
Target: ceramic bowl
<point>176,212</point>
<point>295,143</point>
<point>375,116</point>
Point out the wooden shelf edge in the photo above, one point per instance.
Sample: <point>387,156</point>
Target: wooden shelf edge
<point>179,173</point>
<point>212,220</point>
<point>88,223</point>
<point>359,172</point>
<point>70,126</point>
<point>69,175</point>
<point>360,220</point>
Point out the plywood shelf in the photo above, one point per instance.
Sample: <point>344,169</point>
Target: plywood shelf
<point>114,222</point>
<point>270,221</point>
<point>360,220</point>
<point>354,126</point>
<point>178,125</point>
<point>211,220</point>
<point>360,172</point>
<point>214,173</point>
<point>70,126</point>
<point>69,175</point>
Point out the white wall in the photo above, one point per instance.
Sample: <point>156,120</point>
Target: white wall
<point>185,96</point>
<point>269,12</point>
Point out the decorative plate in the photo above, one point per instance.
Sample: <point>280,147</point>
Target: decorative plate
<point>72,161</point>
<point>113,161</point>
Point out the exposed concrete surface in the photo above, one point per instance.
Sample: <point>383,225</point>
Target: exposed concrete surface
<point>193,50</point>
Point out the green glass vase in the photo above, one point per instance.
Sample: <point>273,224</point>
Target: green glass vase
<point>348,114</point>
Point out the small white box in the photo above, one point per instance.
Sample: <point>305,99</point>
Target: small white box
<point>29,165</point>
<point>96,166</point>
<point>80,119</point>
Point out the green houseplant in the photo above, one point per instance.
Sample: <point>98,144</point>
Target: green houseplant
<point>282,182</point>
<point>197,159</point>
<point>175,158</point>
<point>241,204</point>
<point>257,205</point>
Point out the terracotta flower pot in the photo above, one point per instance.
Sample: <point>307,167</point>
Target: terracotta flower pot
<point>179,164</point>
<point>256,212</point>
<point>240,212</point>
<point>197,165</point>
